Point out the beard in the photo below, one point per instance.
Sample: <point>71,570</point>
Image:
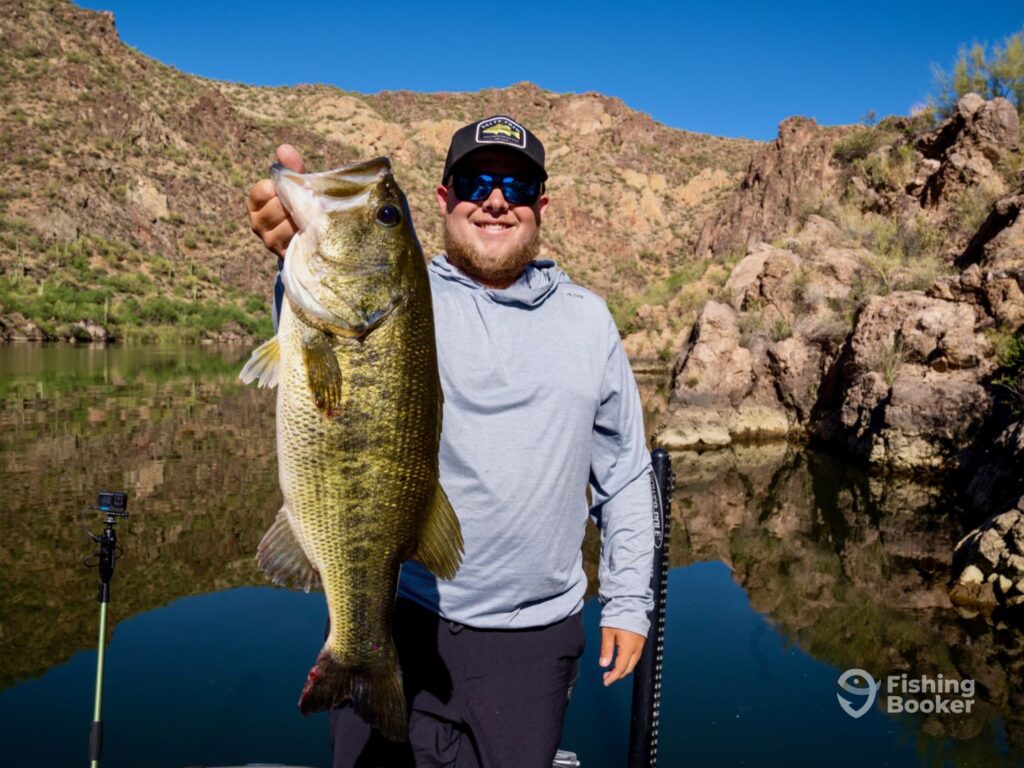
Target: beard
<point>502,271</point>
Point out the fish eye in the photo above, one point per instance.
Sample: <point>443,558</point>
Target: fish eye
<point>388,215</point>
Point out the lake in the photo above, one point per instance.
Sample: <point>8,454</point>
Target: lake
<point>788,568</point>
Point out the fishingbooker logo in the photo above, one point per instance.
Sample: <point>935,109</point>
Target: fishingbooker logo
<point>859,683</point>
<point>925,694</point>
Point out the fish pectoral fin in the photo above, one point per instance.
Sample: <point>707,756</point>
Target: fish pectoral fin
<point>441,546</point>
<point>264,364</point>
<point>322,372</point>
<point>282,558</point>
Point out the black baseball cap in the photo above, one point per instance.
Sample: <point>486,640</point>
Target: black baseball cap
<point>498,132</point>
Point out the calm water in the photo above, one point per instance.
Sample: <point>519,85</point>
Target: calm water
<point>788,569</point>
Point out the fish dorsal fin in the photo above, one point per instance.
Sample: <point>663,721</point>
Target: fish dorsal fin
<point>264,364</point>
<point>441,546</point>
<point>282,558</point>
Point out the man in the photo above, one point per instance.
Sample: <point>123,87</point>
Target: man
<point>539,402</point>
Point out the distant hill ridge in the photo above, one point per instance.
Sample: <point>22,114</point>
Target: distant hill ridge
<point>123,211</point>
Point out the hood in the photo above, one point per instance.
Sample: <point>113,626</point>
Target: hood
<point>538,281</point>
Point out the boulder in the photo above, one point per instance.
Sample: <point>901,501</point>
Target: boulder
<point>714,364</point>
<point>989,562</point>
<point>968,146</point>
<point>89,331</point>
<point>722,391</point>
<point>912,395</point>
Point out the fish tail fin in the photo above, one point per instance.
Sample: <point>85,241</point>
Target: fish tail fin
<point>375,692</point>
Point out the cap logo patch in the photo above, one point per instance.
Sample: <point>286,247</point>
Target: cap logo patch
<point>501,130</point>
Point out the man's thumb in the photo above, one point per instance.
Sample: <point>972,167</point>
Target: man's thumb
<point>289,157</point>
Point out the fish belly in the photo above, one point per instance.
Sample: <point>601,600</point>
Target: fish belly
<point>358,482</point>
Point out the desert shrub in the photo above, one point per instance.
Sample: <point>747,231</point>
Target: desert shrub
<point>971,207</point>
<point>861,142</point>
<point>885,359</point>
<point>1009,378</point>
<point>890,170</point>
<point>999,72</point>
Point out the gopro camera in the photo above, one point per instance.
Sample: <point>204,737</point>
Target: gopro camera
<point>113,502</point>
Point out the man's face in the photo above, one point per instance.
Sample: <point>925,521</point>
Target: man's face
<point>491,240</point>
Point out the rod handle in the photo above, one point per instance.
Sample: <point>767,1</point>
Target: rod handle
<point>95,741</point>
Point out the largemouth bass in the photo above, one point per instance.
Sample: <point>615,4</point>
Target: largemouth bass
<point>358,426</point>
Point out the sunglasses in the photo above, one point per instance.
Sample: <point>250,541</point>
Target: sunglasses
<point>476,187</point>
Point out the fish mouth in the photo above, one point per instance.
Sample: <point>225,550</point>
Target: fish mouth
<point>307,196</point>
<point>360,175</point>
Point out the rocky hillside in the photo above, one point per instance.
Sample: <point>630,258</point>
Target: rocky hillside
<point>122,211</point>
<point>876,307</point>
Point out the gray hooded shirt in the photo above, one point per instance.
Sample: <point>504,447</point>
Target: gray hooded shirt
<point>539,402</point>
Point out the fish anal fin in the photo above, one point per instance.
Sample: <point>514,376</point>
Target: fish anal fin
<point>441,546</point>
<point>264,364</point>
<point>282,558</point>
<point>322,372</point>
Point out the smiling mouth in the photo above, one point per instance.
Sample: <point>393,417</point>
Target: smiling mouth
<point>492,226</point>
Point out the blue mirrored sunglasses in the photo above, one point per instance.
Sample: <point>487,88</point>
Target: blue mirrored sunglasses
<point>478,186</point>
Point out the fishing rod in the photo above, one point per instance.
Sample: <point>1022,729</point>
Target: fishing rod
<point>114,505</point>
<point>646,710</point>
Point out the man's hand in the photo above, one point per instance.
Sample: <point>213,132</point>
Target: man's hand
<point>267,216</point>
<point>626,646</point>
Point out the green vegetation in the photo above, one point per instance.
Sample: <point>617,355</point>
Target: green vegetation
<point>906,254</point>
<point>972,206</point>
<point>657,293</point>
<point>861,142</point>
<point>124,290</point>
<point>999,72</point>
<point>886,359</point>
<point>892,170</point>
<point>1009,378</point>
<point>781,329</point>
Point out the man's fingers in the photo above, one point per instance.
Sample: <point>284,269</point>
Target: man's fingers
<point>619,670</point>
<point>607,647</point>
<point>628,647</point>
<point>267,215</point>
<point>634,659</point>
<point>278,238</point>
<point>289,157</point>
<point>260,194</point>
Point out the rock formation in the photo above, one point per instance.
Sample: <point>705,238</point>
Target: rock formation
<point>863,330</point>
<point>991,562</point>
<point>878,309</point>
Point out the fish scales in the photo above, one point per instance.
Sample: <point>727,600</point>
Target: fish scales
<point>358,427</point>
<point>368,464</point>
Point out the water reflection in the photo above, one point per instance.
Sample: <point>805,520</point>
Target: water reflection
<point>853,569</point>
<point>170,426</point>
<point>848,568</point>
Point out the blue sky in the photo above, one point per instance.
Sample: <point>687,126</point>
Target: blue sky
<point>727,68</point>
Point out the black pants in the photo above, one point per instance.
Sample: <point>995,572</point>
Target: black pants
<point>476,698</point>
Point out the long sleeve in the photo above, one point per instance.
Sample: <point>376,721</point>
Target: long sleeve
<point>621,487</point>
<point>275,310</point>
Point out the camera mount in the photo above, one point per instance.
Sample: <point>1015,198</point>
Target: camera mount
<point>114,506</point>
